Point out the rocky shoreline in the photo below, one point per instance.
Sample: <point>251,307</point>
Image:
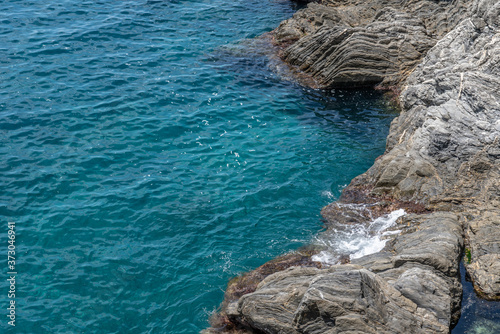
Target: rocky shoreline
<point>442,165</point>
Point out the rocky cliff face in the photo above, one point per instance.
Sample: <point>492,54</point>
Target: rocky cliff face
<point>441,163</point>
<point>444,149</point>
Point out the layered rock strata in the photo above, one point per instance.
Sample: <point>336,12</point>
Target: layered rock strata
<point>441,163</point>
<point>362,42</point>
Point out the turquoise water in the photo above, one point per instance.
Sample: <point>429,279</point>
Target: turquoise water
<point>150,152</point>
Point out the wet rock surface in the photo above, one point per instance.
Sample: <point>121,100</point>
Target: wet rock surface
<point>441,165</point>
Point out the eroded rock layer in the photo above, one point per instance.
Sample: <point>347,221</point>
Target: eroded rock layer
<point>359,43</point>
<point>405,288</point>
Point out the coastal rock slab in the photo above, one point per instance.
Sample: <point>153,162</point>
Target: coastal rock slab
<point>271,307</point>
<point>362,43</point>
<point>415,291</point>
<point>482,258</point>
<point>360,301</point>
<point>447,129</point>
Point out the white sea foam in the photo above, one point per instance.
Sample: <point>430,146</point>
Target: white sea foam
<point>357,240</point>
<point>325,257</point>
<point>327,193</point>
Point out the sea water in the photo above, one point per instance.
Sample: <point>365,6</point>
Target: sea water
<point>151,150</point>
<point>478,316</point>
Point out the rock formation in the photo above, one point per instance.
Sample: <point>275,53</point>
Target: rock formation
<point>405,288</point>
<point>444,149</point>
<point>441,163</point>
<point>362,42</point>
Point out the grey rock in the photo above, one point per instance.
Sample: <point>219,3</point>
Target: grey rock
<point>270,308</point>
<point>394,291</point>
<point>359,43</point>
<point>483,243</point>
<point>451,106</point>
<point>436,241</point>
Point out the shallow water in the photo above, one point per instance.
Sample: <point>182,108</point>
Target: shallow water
<point>150,152</point>
<point>479,316</point>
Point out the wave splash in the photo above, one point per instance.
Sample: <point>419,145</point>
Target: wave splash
<point>355,241</point>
